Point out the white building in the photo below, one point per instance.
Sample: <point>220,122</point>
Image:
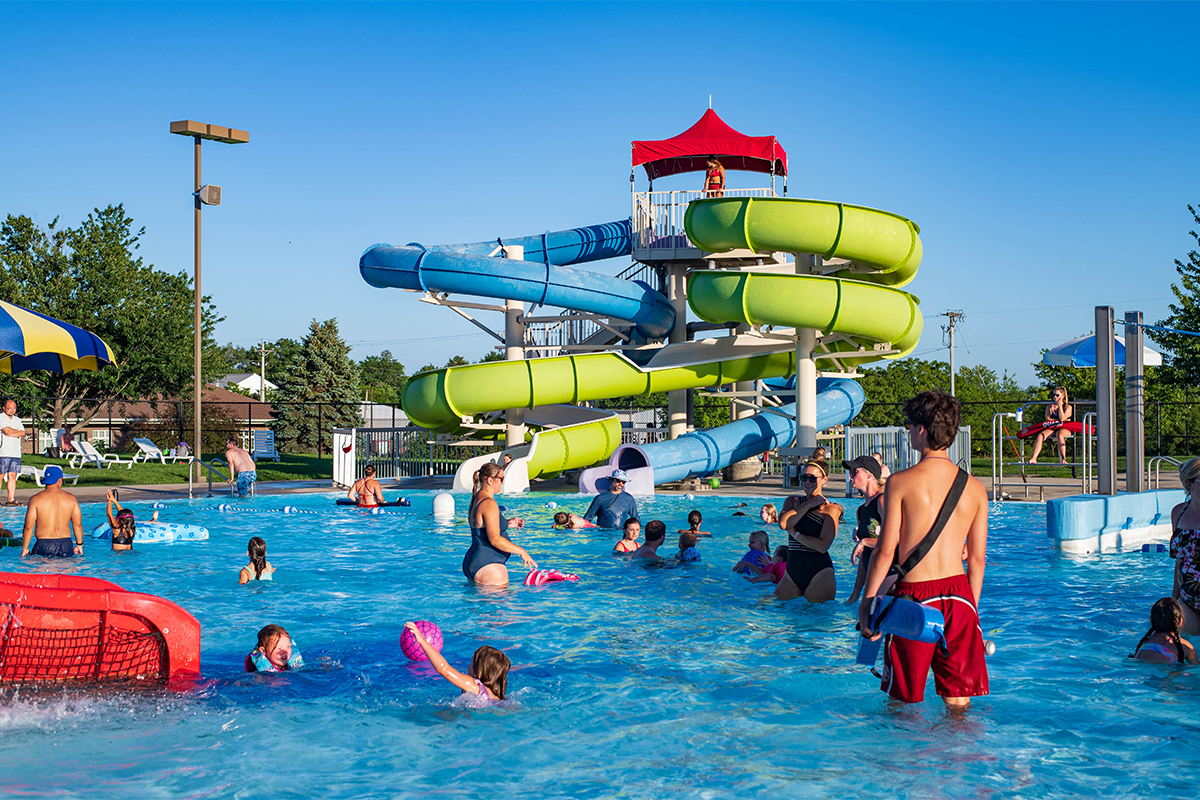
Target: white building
<point>246,382</point>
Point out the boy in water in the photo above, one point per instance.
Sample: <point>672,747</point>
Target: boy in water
<point>915,500</point>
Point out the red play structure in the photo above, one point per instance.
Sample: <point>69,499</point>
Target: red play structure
<point>710,136</point>
<point>71,629</point>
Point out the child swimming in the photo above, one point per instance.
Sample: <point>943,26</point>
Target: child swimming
<point>276,652</point>
<point>570,521</point>
<point>755,561</point>
<point>694,520</point>
<point>687,547</point>
<point>629,539</point>
<point>487,678</point>
<point>769,514</point>
<point>775,568</point>
<point>1164,642</point>
<point>259,569</point>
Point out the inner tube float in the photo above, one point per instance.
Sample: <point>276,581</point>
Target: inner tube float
<point>157,533</point>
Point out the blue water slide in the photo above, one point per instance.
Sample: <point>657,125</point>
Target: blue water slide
<point>542,278</point>
<point>706,452</point>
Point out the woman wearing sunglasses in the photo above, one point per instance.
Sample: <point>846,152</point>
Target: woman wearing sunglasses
<point>1059,410</point>
<point>484,563</point>
<point>811,522</point>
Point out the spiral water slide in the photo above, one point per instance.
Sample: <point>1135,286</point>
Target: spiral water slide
<point>856,313</point>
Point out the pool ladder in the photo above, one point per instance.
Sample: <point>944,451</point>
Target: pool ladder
<point>211,466</point>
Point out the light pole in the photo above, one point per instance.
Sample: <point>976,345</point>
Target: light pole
<point>204,195</point>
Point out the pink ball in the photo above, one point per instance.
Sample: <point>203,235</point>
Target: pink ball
<point>412,648</point>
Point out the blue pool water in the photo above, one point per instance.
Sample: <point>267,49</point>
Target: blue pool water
<point>633,682</point>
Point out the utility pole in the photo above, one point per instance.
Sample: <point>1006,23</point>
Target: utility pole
<point>262,371</point>
<point>953,317</point>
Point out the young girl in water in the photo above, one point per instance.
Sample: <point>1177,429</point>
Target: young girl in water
<point>630,532</point>
<point>769,514</point>
<point>776,567</point>
<point>276,652</point>
<point>756,559</point>
<point>259,569</point>
<point>694,520</point>
<point>1164,643</point>
<point>487,678</point>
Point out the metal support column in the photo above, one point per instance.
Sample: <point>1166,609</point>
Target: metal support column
<point>1106,417</point>
<point>740,411</point>
<point>514,350</point>
<point>1135,405</point>
<point>677,405</point>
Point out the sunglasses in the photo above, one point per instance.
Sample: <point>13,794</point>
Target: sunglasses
<point>809,478</point>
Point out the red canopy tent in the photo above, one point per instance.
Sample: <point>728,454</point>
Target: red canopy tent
<point>710,136</point>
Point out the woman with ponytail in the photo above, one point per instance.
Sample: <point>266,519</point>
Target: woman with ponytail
<point>1164,643</point>
<point>484,563</point>
<point>1185,547</point>
<point>259,569</point>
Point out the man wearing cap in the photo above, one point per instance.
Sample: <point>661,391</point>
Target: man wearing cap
<point>51,517</point>
<point>613,507</point>
<point>12,431</point>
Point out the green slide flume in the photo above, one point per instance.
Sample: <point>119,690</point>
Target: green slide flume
<point>439,399</point>
<point>886,246</point>
<point>857,309</point>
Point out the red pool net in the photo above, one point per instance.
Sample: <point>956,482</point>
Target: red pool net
<point>101,652</point>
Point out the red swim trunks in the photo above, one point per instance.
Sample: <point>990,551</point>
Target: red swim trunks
<point>958,671</point>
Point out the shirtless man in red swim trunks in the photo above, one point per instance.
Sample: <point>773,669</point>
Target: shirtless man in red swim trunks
<point>915,497</point>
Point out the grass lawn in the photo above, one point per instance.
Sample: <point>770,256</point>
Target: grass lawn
<point>289,468</point>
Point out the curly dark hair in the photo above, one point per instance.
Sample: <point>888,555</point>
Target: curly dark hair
<point>939,413</point>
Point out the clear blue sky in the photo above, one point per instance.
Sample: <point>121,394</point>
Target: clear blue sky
<point>1047,151</point>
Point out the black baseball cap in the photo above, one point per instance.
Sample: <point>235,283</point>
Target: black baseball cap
<point>865,462</point>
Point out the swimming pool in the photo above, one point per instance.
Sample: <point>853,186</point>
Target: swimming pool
<point>633,682</point>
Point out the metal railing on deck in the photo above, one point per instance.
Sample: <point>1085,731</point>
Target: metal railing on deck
<point>658,216</point>
<point>409,452</point>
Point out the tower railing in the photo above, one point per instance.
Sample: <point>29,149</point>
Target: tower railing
<point>658,216</point>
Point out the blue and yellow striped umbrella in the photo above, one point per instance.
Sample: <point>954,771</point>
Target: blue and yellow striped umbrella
<point>29,340</point>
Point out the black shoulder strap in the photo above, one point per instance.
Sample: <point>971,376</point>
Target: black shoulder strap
<point>925,545</point>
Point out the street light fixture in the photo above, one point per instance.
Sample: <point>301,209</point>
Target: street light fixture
<point>203,195</point>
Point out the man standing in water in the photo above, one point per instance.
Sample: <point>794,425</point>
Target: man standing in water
<point>613,507</point>
<point>51,515</point>
<point>241,468</point>
<point>934,494</point>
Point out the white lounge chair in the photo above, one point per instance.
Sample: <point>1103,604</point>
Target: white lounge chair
<point>264,446</point>
<point>90,455</point>
<point>28,471</point>
<point>149,451</point>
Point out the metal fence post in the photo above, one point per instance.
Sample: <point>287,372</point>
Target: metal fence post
<point>320,426</point>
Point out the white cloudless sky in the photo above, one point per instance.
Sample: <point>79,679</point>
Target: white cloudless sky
<point>1048,151</point>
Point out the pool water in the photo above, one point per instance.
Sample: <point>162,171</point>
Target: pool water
<point>634,682</point>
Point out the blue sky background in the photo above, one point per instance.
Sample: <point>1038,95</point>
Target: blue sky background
<point>1047,151</point>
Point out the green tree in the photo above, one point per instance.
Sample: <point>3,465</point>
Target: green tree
<point>1181,361</point>
<point>383,378</point>
<point>457,361</point>
<point>319,392</point>
<point>91,277</point>
<point>492,355</point>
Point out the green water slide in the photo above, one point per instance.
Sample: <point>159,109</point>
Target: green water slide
<point>857,308</point>
<point>439,399</point>
<point>883,247</point>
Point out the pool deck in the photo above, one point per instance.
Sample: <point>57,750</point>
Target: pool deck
<point>1045,489</point>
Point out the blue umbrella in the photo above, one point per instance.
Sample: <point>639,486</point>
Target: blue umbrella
<point>1081,352</point>
<point>29,340</point>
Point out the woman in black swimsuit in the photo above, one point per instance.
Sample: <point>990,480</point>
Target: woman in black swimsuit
<point>811,522</point>
<point>490,547</point>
